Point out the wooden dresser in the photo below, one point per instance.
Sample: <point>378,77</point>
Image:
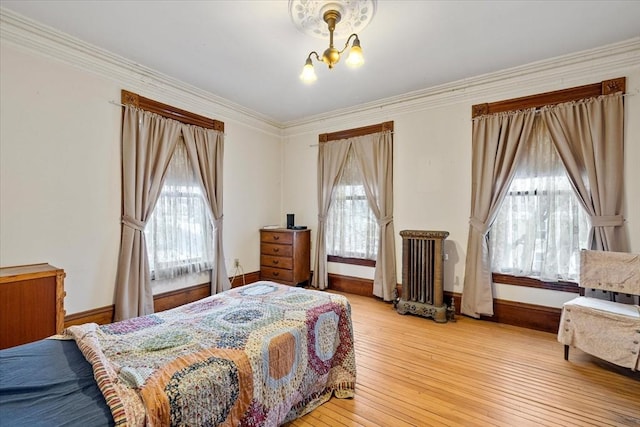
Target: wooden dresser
<point>285,256</point>
<point>31,303</point>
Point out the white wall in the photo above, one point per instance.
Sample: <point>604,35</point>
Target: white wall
<point>60,179</point>
<point>60,160</point>
<point>252,192</point>
<point>60,174</point>
<point>432,173</point>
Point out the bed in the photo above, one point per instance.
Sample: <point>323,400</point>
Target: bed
<point>257,355</point>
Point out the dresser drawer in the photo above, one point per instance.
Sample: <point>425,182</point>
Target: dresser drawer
<point>276,262</point>
<point>284,255</point>
<point>277,274</point>
<point>276,250</point>
<point>280,237</point>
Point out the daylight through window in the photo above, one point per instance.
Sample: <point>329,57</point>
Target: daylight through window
<point>352,229</point>
<point>179,233</point>
<point>541,226</point>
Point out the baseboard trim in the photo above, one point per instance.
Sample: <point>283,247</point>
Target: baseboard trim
<point>530,316</point>
<point>245,279</point>
<point>101,316</point>
<point>352,285</point>
<point>171,299</point>
<point>161,302</point>
<point>514,313</point>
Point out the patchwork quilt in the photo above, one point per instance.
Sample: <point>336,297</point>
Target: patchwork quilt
<point>257,355</point>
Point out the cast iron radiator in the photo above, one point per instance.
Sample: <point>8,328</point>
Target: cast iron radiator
<point>422,274</point>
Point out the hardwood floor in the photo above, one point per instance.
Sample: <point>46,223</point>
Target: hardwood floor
<point>415,372</point>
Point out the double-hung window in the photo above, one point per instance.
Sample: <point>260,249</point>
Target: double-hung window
<point>352,229</point>
<point>179,233</point>
<point>541,226</point>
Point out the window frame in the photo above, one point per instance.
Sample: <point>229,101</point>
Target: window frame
<point>532,191</point>
<point>352,203</point>
<point>169,112</point>
<point>531,282</point>
<point>540,100</point>
<point>193,196</point>
<point>353,261</point>
<point>344,134</point>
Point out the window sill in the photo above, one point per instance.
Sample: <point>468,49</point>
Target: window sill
<point>530,282</point>
<point>353,261</point>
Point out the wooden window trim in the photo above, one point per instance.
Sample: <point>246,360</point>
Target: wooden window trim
<point>352,261</point>
<point>164,110</point>
<point>350,133</point>
<point>530,282</point>
<point>605,87</point>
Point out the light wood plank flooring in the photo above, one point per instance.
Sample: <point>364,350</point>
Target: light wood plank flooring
<point>415,372</point>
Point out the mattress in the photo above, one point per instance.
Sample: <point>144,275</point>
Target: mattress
<point>50,383</point>
<point>259,355</point>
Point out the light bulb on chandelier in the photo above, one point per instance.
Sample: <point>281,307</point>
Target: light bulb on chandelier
<point>358,13</point>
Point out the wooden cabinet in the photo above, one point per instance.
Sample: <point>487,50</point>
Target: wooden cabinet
<point>31,303</point>
<point>284,255</point>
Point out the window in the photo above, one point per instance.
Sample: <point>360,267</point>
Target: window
<point>179,232</point>
<point>541,226</point>
<point>352,229</point>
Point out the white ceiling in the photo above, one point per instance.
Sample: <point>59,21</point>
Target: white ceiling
<point>250,53</point>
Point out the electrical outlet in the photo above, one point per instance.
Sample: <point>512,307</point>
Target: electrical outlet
<point>236,262</point>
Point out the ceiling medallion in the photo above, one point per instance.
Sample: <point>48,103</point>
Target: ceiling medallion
<point>351,15</point>
<point>355,15</point>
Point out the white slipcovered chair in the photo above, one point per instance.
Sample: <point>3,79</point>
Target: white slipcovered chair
<point>609,330</point>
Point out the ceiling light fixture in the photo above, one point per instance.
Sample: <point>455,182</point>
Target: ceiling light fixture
<point>356,14</point>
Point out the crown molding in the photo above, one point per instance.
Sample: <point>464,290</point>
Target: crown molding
<point>542,76</point>
<point>557,73</point>
<point>36,37</point>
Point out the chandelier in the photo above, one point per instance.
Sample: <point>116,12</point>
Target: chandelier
<point>355,14</point>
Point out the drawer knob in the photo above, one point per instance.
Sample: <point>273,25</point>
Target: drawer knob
<point>276,250</point>
<point>275,262</point>
<point>275,273</point>
<point>276,237</point>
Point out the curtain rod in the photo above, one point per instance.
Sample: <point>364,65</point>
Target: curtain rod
<point>119,104</point>
<point>392,132</point>
<point>538,110</point>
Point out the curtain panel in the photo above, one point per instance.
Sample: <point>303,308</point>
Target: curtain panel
<point>331,159</point>
<point>496,147</point>
<point>374,155</point>
<point>206,152</point>
<point>148,142</point>
<point>588,135</point>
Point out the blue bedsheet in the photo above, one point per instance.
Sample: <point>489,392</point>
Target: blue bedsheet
<point>49,383</point>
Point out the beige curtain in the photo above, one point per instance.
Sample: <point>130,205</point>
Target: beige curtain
<point>496,146</point>
<point>205,148</point>
<point>374,154</point>
<point>589,137</point>
<point>148,142</point>
<point>331,159</point>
